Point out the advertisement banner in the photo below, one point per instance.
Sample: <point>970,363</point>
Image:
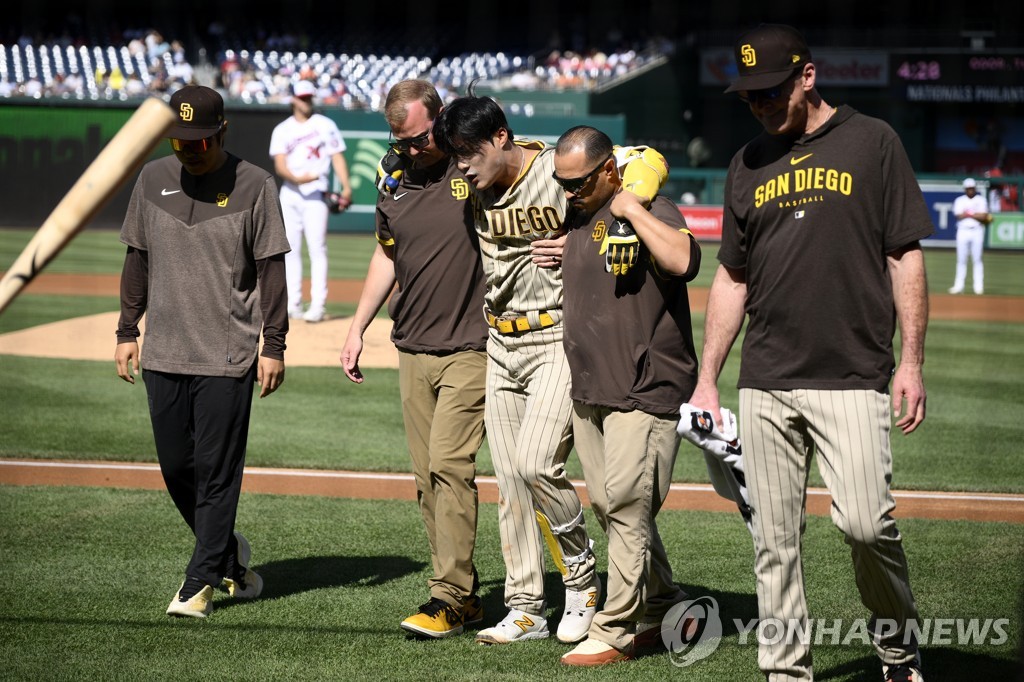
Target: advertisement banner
<point>1006,231</point>
<point>848,68</point>
<point>704,222</point>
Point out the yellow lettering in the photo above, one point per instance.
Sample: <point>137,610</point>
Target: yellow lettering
<point>831,180</point>
<point>783,184</point>
<point>819,178</point>
<point>846,183</point>
<point>759,196</point>
<point>800,180</point>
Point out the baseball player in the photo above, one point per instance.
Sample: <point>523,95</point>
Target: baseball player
<point>625,412</point>
<point>820,247</point>
<point>972,214</point>
<point>304,147</point>
<point>427,245</point>
<point>517,207</point>
<point>205,263</point>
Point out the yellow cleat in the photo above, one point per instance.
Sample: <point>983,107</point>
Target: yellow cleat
<point>199,605</point>
<point>436,619</point>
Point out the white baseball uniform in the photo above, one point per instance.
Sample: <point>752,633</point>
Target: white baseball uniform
<point>970,240</point>
<point>308,147</point>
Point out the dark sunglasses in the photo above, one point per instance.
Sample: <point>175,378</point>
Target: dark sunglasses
<point>574,185</point>
<point>405,144</point>
<point>194,146</point>
<point>768,94</point>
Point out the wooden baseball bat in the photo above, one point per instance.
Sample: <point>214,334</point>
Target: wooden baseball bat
<point>100,181</point>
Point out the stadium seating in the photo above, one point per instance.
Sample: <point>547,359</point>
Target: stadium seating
<point>351,80</point>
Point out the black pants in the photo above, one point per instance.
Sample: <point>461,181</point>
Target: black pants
<point>201,426</point>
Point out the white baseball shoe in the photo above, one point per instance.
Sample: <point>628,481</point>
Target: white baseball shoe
<point>295,313</point>
<point>249,587</point>
<point>580,609</point>
<point>518,626</point>
<point>314,315</point>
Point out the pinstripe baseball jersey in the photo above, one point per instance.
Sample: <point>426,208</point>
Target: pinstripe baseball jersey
<point>532,208</point>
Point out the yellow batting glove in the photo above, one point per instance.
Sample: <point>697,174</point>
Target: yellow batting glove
<point>621,248</point>
<point>645,171</point>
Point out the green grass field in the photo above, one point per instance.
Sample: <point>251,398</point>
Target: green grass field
<point>81,601</point>
<point>85,574</point>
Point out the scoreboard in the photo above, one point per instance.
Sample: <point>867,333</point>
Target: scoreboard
<point>969,78</point>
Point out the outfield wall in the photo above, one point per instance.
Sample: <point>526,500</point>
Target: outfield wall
<point>45,147</point>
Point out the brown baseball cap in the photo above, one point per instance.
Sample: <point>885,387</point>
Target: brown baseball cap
<point>767,56</point>
<point>199,111</point>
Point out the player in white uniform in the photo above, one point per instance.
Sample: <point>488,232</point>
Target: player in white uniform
<point>971,211</point>
<point>304,147</point>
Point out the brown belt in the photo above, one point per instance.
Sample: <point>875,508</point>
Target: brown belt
<point>513,325</point>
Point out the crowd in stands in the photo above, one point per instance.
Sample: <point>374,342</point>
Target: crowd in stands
<point>146,63</point>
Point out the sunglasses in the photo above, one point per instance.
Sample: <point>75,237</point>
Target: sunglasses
<point>574,185</point>
<point>420,142</point>
<point>768,94</point>
<point>194,146</point>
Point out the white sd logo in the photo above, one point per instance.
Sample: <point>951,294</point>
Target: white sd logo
<point>692,630</point>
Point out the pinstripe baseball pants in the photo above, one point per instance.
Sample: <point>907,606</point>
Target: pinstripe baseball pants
<point>849,432</point>
<point>528,417</point>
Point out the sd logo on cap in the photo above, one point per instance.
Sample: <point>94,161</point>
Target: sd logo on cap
<point>200,112</point>
<point>767,56</point>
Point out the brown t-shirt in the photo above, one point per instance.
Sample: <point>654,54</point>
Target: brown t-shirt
<point>811,220</point>
<point>628,339</point>
<point>203,236</point>
<point>428,220</point>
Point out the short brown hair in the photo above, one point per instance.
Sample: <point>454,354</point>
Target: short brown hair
<point>405,92</point>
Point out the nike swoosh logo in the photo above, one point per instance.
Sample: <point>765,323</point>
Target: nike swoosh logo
<point>399,196</point>
<point>796,160</point>
<point>167,194</point>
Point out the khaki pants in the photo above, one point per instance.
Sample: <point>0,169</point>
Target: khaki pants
<point>627,461</point>
<point>443,408</point>
<point>849,432</point>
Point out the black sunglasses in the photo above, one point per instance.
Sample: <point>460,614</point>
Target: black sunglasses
<point>574,185</point>
<point>768,94</point>
<point>405,144</point>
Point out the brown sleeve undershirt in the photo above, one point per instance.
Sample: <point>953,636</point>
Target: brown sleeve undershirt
<point>134,294</point>
<point>270,278</point>
<point>273,301</point>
